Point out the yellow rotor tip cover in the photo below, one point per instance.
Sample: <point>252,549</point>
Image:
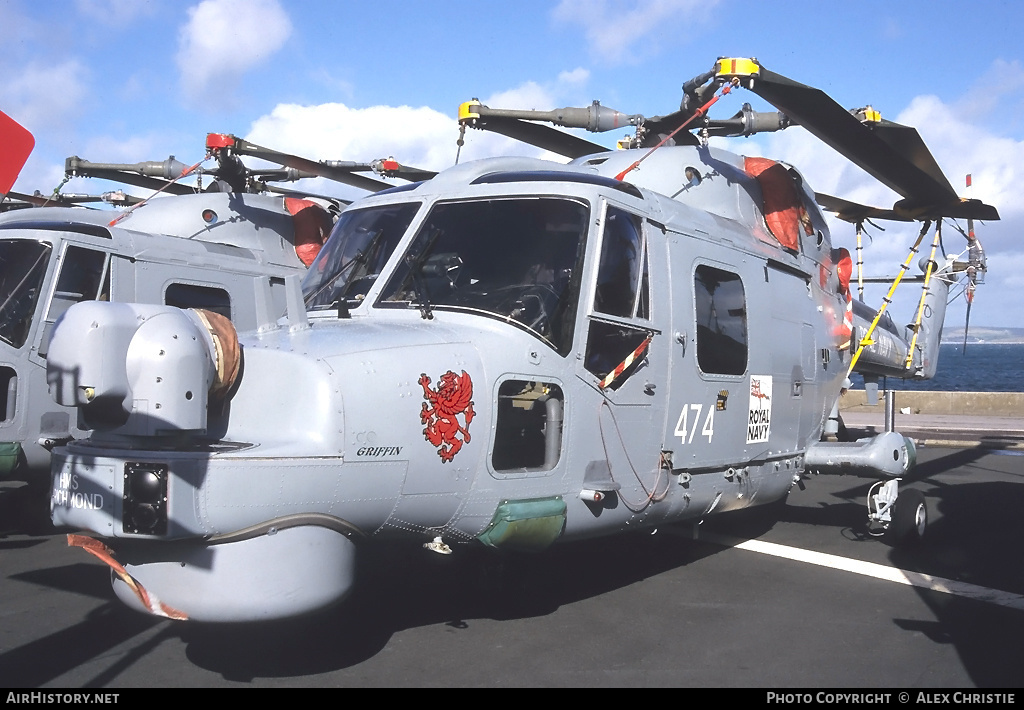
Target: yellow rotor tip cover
<point>467,111</point>
<point>738,67</point>
<point>869,115</point>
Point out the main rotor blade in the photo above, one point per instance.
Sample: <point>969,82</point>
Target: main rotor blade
<point>392,168</point>
<point>541,136</point>
<point>855,212</point>
<point>277,190</point>
<point>150,183</point>
<point>36,200</point>
<point>893,154</point>
<point>910,172</point>
<point>337,171</point>
<point>58,200</point>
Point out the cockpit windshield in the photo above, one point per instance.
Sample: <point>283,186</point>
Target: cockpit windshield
<point>22,267</point>
<point>353,256</point>
<point>518,259</point>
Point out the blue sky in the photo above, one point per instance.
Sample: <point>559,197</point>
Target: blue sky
<point>133,80</point>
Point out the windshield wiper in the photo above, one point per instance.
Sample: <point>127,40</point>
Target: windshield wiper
<point>416,274</point>
<point>361,258</point>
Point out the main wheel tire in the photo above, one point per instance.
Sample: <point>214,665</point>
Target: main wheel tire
<point>909,517</point>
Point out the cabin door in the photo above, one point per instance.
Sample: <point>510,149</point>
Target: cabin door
<point>624,356</point>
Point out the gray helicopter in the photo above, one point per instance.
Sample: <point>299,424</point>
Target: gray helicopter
<point>228,249</point>
<point>513,354</point>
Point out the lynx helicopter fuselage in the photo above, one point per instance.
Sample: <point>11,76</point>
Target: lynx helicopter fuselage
<point>514,353</point>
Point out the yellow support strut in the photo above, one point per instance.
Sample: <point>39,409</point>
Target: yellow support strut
<point>924,292</point>
<point>904,267</point>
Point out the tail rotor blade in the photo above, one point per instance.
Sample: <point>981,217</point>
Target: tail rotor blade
<point>967,320</point>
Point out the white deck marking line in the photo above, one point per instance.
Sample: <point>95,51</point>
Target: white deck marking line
<point>870,569</point>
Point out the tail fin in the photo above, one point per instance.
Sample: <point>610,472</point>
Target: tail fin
<point>925,358</point>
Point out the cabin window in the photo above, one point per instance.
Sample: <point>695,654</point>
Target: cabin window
<point>514,259</point>
<point>208,298</point>
<point>22,268</point>
<point>528,427</point>
<point>721,321</point>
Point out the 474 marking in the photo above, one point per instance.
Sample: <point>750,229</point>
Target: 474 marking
<point>686,431</point>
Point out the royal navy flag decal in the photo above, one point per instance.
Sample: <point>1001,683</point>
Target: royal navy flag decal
<point>759,416</point>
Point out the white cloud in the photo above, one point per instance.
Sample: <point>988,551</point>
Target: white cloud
<point>217,43</point>
<point>125,149</point>
<point>576,77</point>
<point>417,137</point>
<point>41,177</point>
<point>623,32</point>
<point>995,162</point>
<point>414,136</point>
<point>542,96</point>
<point>44,96</point>
<point>1001,82</point>
<point>529,95</point>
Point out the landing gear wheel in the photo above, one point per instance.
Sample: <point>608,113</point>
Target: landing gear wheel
<point>909,517</point>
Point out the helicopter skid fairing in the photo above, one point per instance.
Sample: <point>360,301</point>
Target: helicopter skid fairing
<point>249,580</point>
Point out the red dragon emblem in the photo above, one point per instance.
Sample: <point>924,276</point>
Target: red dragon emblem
<point>453,396</point>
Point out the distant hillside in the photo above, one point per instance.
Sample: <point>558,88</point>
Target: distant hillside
<point>982,334</point>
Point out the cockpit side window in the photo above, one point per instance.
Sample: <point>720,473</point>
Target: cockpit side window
<point>22,268</point>
<point>622,292</point>
<point>623,261</point>
<point>84,276</point>
<point>360,244</point>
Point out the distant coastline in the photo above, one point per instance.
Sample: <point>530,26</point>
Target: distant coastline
<point>983,335</point>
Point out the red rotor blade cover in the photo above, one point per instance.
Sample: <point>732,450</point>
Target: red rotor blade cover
<point>17,146</point>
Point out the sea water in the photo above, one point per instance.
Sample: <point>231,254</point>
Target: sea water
<point>982,367</point>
